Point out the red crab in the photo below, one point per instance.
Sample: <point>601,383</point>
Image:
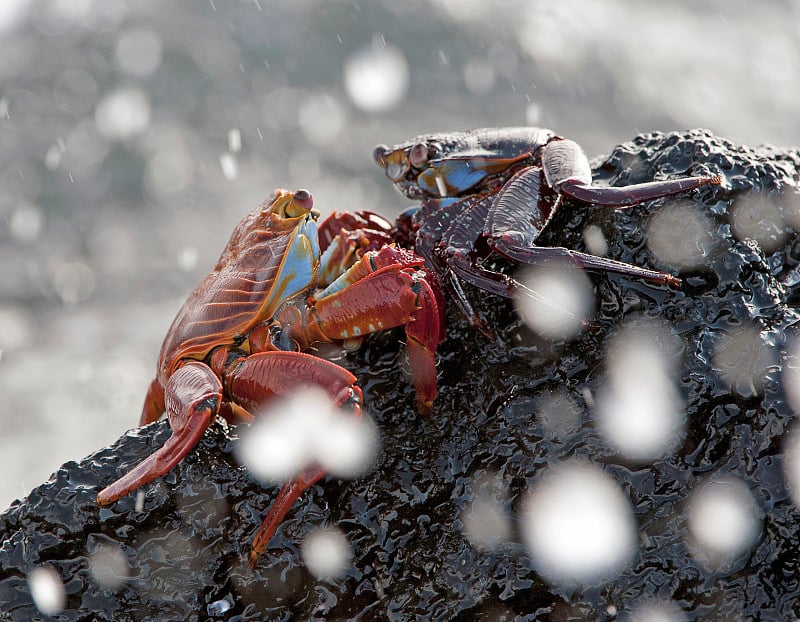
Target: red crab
<point>495,190</point>
<point>242,335</point>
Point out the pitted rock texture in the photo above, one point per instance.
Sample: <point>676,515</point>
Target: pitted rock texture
<point>186,545</point>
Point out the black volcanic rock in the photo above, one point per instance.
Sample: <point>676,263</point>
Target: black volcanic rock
<point>186,545</point>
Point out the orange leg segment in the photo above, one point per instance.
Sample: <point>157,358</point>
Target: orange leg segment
<point>153,406</point>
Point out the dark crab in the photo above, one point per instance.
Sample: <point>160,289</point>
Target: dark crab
<point>495,190</point>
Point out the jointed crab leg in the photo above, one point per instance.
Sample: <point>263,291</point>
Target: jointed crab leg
<point>567,170</point>
<point>194,394</point>
<point>279,373</point>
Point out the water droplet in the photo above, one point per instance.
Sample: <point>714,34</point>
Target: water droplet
<point>486,524</point>
<point>123,114</point>
<point>742,358</point>
<point>187,258</point>
<point>639,410</point>
<point>138,52</point>
<point>327,553</point>
<point>321,119</point>
<point>657,611</point>
<point>724,521</point>
<point>307,428</point>
<point>109,566</point>
<point>26,222</point>
<point>229,164</point>
<point>73,282</point>
<point>479,76</point>
<point>47,590</point>
<point>234,140</point>
<point>680,235</point>
<point>595,240</point>
<point>758,217</point>
<point>578,525</point>
<point>376,77</point>
<point>533,114</point>
<point>555,302</point>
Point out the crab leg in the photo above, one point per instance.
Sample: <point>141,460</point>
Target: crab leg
<point>193,395</point>
<point>259,376</point>
<point>153,406</point>
<point>567,170</point>
<point>520,212</point>
<point>373,227</point>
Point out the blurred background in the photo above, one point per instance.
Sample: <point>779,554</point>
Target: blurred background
<point>134,134</point>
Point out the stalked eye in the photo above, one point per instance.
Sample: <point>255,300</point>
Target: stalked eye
<point>303,197</point>
<point>379,154</point>
<point>434,151</point>
<point>395,171</point>
<point>418,154</point>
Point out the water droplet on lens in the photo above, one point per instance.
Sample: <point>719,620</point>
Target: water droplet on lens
<point>376,77</point>
<point>578,524</point>
<point>327,553</point>
<point>47,590</point>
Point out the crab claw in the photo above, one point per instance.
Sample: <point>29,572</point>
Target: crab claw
<point>193,396</point>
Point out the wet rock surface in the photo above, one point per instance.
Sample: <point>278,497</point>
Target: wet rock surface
<point>185,546</point>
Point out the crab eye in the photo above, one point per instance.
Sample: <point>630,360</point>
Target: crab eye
<point>396,170</point>
<point>418,154</point>
<point>434,150</point>
<point>379,154</point>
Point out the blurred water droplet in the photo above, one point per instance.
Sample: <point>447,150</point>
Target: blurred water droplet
<point>479,76</point>
<point>657,611</point>
<point>187,258</point>
<point>724,521</point>
<point>376,77</point>
<point>138,52</point>
<point>229,164</point>
<point>234,140</point>
<point>171,167</point>
<point>680,235</point>
<point>639,410</point>
<point>486,524</point>
<point>555,302</point>
<point>73,281</point>
<point>123,114</point>
<point>26,222</point>
<point>595,240</point>
<point>533,114</point>
<point>758,217</point>
<point>302,429</point>
<point>109,566</point>
<point>742,358</point>
<point>16,328</point>
<point>327,553</point>
<point>53,157</point>
<point>578,525</point>
<point>559,413</point>
<point>321,119</point>
<point>47,590</point>
<point>138,505</point>
<point>345,446</point>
